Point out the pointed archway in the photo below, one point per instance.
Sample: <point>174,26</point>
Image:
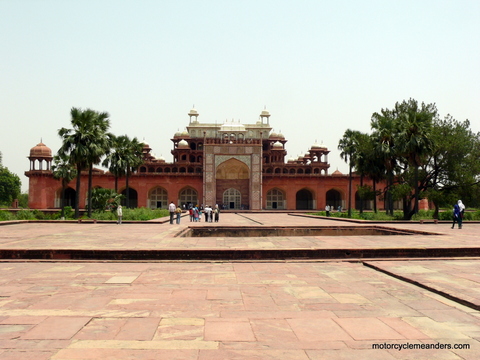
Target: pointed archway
<point>304,200</point>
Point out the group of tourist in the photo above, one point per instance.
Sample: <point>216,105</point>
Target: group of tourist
<point>209,213</point>
<point>329,208</point>
<point>214,214</point>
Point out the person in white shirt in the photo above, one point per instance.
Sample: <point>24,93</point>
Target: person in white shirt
<point>171,210</point>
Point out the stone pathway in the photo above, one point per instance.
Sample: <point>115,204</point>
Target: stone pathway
<point>234,310</point>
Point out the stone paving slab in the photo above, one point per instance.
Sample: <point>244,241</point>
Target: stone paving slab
<point>157,236</point>
<point>274,310</point>
<point>459,279</point>
<point>235,310</point>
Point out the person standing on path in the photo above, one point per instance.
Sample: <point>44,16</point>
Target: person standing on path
<point>190,212</point>
<point>461,206</point>
<point>171,210</point>
<point>457,218</point>
<point>217,213</point>
<point>327,210</point>
<point>178,212</point>
<point>119,214</point>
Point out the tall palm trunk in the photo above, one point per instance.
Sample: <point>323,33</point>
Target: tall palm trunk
<point>77,194</point>
<point>90,175</point>
<point>361,197</point>
<point>375,196</point>
<point>127,188</point>
<point>416,190</point>
<point>62,200</point>
<point>350,190</point>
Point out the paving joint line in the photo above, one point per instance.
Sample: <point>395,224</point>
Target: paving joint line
<point>246,217</point>
<point>444,294</point>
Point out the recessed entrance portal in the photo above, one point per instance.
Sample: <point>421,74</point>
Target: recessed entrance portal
<point>232,198</point>
<point>304,200</point>
<point>132,198</point>
<point>334,199</point>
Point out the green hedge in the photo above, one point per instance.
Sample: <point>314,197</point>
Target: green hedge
<point>398,215</point>
<point>138,214</point>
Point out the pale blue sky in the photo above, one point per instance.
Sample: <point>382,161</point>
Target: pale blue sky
<point>319,67</point>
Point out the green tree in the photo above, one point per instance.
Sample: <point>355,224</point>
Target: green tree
<point>117,159</point>
<point>10,185</point>
<point>64,171</point>
<point>23,200</point>
<point>85,144</point>
<point>415,130</point>
<point>385,130</point>
<point>348,145</point>
<point>452,171</point>
<point>370,165</point>
<point>105,199</point>
<point>133,158</point>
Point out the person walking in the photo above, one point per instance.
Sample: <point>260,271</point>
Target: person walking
<point>461,206</point>
<point>119,214</point>
<point>208,213</point>
<point>217,213</point>
<point>171,210</point>
<point>457,216</point>
<point>190,212</point>
<point>327,210</point>
<point>178,212</point>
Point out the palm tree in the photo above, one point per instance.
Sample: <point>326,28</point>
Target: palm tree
<point>133,159</point>
<point>85,144</point>
<point>362,158</point>
<point>64,171</point>
<point>348,145</point>
<point>385,130</point>
<point>115,159</point>
<point>98,149</point>
<point>415,134</point>
<point>125,157</point>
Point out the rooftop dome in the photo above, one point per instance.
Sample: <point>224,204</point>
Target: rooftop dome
<point>41,150</point>
<point>183,144</point>
<point>185,133</point>
<point>161,158</point>
<point>265,113</point>
<point>291,159</point>
<point>281,136</point>
<point>318,146</point>
<point>274,135</point>
<point>278,145</point>
<point>232,126</point>
<point>177,134</point>
<point>336,172</point>
<point>193,112</point>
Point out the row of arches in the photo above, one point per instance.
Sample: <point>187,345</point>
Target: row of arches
<point>294,171</point>
<point>175,169</point>
<point>159,198</point>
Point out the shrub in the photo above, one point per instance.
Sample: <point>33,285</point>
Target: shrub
<point>25,215</point>
<point>6,216</point>
<point>137,214</point>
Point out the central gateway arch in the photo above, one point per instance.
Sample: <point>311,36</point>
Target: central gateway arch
<point>233,175</point>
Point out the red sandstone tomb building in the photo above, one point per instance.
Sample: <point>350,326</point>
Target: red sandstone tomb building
<point>238,166</point>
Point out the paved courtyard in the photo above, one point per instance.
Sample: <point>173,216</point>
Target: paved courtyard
<point>291,309</point>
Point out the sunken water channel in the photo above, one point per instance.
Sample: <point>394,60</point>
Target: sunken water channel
<point>220,231</point>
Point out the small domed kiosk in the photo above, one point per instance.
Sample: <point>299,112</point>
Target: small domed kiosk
<point>40,154</point>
